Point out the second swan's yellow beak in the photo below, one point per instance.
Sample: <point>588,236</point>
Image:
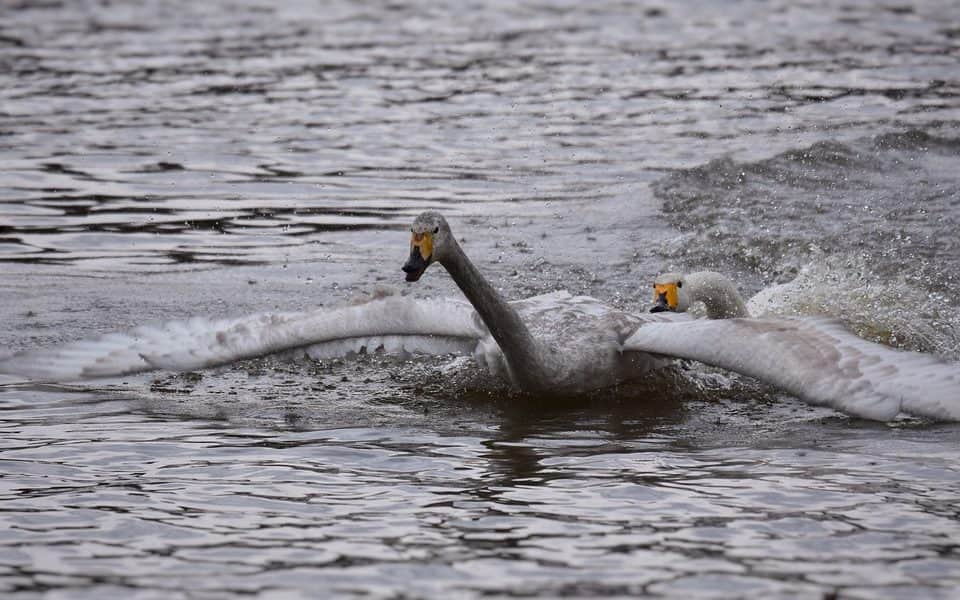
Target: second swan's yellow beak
<point>421,253</point>
<point>664,297</point>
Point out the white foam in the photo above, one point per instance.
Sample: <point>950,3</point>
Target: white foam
<point>890,311</point>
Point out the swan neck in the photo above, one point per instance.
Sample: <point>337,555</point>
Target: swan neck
<point>502,320</point>
<point>717,293</point>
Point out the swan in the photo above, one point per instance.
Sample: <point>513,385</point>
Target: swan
<point>814,358</point>
<point>555,342</point>
<point>674,292</point>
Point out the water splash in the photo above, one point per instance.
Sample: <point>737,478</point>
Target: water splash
<point>863,230</point>
<point>893,311</point>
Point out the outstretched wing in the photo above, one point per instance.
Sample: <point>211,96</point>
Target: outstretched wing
<point>398,323</point>
<point>817,360</point>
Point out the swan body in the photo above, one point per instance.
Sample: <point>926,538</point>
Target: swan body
<point>555,342</point>
<point>579,341</point>
<point>815,359</point>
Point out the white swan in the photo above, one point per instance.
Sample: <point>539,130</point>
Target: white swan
<point>815,359</point>
<point>555,342</point>
<point>674,292</point>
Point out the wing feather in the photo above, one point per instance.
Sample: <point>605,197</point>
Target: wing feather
<point>817,360</point>
<point>440,325</point>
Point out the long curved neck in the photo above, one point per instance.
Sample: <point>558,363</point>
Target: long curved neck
<point>718,293</point>
<point>519,347</point>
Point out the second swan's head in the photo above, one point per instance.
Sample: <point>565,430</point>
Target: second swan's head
<point>675,292</point>
<point>668,294</point>
<point>430,240</point>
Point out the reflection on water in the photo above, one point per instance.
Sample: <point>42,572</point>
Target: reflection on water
<point>162,160</point>
<point>600,498</point>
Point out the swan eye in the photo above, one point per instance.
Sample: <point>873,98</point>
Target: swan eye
<point>679,284</point>
<point>436,229</point>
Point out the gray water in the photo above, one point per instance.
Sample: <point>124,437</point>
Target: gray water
<point>162,160</point>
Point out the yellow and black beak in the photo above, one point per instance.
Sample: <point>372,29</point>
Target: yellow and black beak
<point>421,253</point>
<point>664,297</point>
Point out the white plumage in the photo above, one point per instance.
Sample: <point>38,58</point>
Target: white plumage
<point>817,360</point>
<point>397,322</point>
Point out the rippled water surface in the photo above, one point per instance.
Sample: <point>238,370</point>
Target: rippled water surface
<point>167,159</point>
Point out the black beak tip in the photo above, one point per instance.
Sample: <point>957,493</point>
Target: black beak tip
<point>659,308</point>
<point>415,265</point>
<point>415,268</point>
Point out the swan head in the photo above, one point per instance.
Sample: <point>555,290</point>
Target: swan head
<point>668,293</point>
<point>675,292</point>
<point>429,243</point>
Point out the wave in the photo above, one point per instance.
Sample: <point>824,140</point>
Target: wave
<point>865,230</point>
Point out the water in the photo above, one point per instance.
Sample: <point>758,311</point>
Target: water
<point>163,160</point>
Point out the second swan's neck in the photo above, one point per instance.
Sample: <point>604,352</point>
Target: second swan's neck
<point>519,347</point>
<point>718,294</point>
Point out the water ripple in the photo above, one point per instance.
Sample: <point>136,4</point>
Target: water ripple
<point>168,159</point>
